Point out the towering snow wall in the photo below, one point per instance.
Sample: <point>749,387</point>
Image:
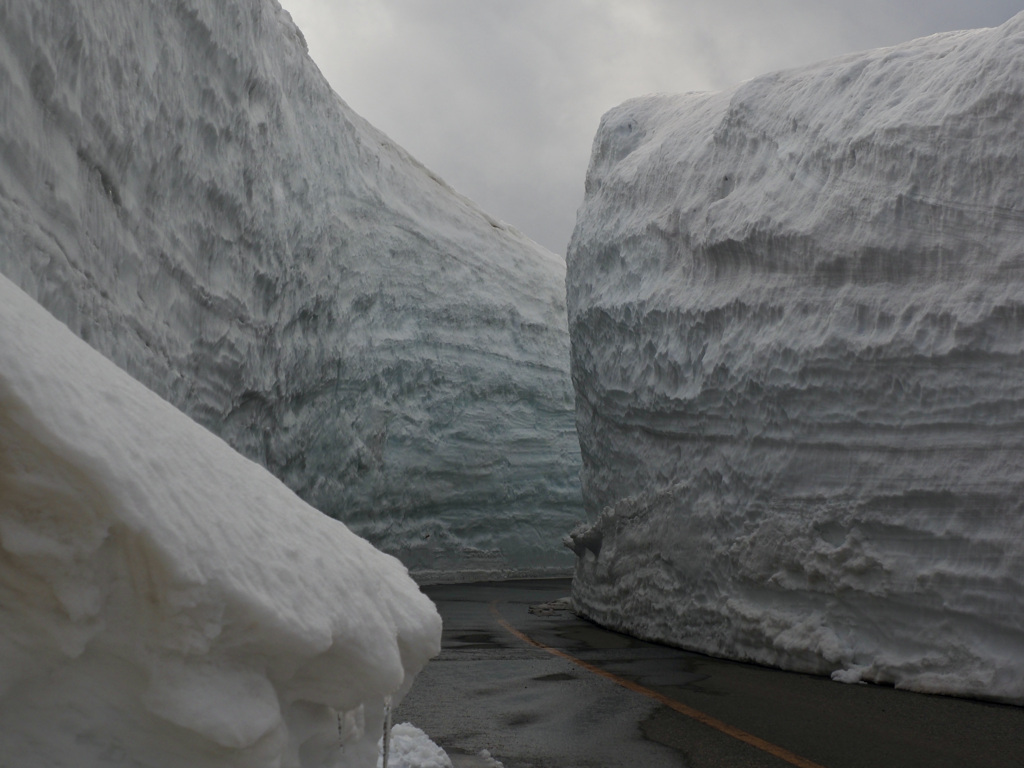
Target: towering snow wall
<point>167,602</point>
<point>797,322</point>
<point>179,185</point>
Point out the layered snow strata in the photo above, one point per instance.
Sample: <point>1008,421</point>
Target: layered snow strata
<point>797,322</point>
<point>179,184</point>
<point>167,602</point>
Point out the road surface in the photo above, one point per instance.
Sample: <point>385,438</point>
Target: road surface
<point>538,687</point>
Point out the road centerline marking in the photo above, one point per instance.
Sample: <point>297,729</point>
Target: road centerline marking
<point>695,714</point>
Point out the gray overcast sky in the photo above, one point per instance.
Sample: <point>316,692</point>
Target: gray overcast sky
<point>501,98</point>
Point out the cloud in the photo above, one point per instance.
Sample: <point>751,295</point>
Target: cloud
<point>503,99</point>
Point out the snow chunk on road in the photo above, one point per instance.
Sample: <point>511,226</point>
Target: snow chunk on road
<point>412,748</point>
<point>167,601</point>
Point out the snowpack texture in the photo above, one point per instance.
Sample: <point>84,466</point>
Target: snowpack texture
<point>797,322</point>
<point>179,184</point>
<point>168,603</point>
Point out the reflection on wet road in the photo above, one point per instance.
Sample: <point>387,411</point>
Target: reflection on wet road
<point>490,689</point>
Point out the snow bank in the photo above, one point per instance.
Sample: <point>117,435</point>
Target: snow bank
<point>179,185</point>
<point>167,602</point>
<point>797,322</point>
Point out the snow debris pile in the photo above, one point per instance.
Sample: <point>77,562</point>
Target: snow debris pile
<point>797,322</point>
<point>180,186</point>
<point>412,748</point>
<point>167,601</point>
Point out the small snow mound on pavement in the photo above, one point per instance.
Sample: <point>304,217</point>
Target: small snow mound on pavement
<point>490,761</point>
<point>412,748</point>
<point>852,675</point>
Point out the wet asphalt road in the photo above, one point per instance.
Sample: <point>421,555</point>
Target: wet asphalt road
<point>490,690</point>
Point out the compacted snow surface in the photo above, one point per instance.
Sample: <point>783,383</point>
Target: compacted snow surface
<point>179,185</point>
<point>797,322</point>
<point>167,602</point>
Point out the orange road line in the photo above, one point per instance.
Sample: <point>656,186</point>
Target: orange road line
<point>683,709</point>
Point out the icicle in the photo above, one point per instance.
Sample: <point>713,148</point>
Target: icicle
<point>387,732</point>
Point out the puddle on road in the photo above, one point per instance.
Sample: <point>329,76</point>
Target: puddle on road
<point>597,638</point>
<point>484,639</point>
<point>557,677</point>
